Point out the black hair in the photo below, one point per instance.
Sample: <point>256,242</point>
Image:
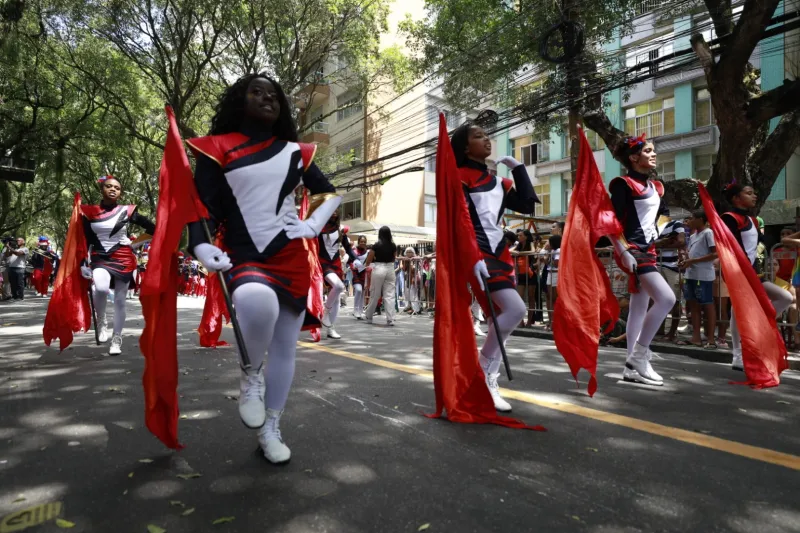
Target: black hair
<point>510,237</point>
<point>528,246</point>
<point>555,242</point>
<point>700,214</point>
<point>459,140</point>
<point>230,110</point>
<point>561,225</point>
<point>732,190</point>
<point>385,236</point>
<point>627,148</point>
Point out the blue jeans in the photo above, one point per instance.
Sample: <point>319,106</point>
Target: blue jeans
<point>700,291</point>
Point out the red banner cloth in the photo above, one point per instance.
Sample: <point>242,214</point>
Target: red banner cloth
<point>459,381</point>
<point>214,311</point>
<point>763,352</point>
<point>585,299</point>
<point>41,277</point>
<point>159,291</point>
<point>314,304</point>
<point>68,311</point>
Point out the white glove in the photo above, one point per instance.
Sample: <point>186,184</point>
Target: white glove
<point>86,272</point>
<point>212,257</point>
<point>628,262</point>
<point>298,229</point>
<point>481,272</point>
<point>359,265</point>
<point>509,161</point>
<point>125,241</point>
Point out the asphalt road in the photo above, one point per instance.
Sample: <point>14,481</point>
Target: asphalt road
<point>698,454</point>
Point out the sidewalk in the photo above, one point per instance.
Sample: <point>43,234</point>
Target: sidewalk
<point>714,356</point>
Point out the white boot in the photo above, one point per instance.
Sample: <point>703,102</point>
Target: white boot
<point>116,345</point>
<point>737,364</point>
<point>269,438</point>
<point>102,329</point>
<point>332,333</point>
<point>655,374</point>
<point>251,398</point>
<point>494,389</point>
<point>477,327</point>
<point>638,368</point>
<point>326,317</point>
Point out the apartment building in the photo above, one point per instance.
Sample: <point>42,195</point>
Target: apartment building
<point>674,110</point>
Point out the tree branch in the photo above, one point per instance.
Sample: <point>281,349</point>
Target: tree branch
<point>776,102</point>
<point>753,20</point>
<point>769,158</point>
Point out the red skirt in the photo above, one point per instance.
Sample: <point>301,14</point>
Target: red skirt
<point>331,267</point>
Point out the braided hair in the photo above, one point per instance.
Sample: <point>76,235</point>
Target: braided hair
<point>230,110</point>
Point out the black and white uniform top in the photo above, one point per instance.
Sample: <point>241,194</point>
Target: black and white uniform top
<point>104,226</point>
<point>638,203</point>
<point>744,227</point>
<point>669,257</point>
<point>247,181</point>
<point>329,239</point>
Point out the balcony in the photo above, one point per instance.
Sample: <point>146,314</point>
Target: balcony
<point>316,92</point>
<point>685,141</point>
<point>317,134</point>
<point>676,78</point>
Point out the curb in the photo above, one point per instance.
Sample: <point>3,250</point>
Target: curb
<point>712,356</point>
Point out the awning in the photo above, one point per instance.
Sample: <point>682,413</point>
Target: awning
<point>400,234</point>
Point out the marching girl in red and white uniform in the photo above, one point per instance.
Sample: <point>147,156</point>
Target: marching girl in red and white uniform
<point>111,261</point>
<point>359,269</point>
<point>330,238</point>
<point>638,204</point>
<point>487,199</point>
<point>247,172</point>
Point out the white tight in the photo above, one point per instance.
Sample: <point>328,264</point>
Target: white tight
<point>642,324</point>
<point>512,311</point>
<point>332,303</point>
<point>268,327</point>
<point>102,284</point>
<point>781,300</point>
<point>358,299</point>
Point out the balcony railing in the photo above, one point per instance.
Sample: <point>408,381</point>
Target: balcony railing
<point>646,6</point>
<point>320,127</point>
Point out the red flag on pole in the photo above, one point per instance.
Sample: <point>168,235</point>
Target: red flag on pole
<point>585,300</point>
<point>159,291</point>
<point>315,303</point>
<point>459,381</point>
<point>214,311</point>
<point>763,352</point>
<point>68,311</point>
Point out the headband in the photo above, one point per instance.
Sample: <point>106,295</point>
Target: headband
<point>730,185</point>
<point>633,142</point>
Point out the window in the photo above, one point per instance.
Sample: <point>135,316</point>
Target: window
<point>666,170</point>
<point>542,151</point>
<point>595,141</point>
<point>642,55</point>
<point>704,166</point>
<point>703,112</point>
<point>523,150</point>
<point>351,209</point>
<point>430,163</point>
<point>652,118</point>
<point>352,154</point>
<point>451,118</point>
<point>430,212</point>
<point>543,192</point>
<point>350,104</point>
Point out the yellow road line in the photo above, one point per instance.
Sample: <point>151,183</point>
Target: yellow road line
<point>698,439</point>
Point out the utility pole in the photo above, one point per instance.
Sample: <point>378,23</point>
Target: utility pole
<point>573,89</point>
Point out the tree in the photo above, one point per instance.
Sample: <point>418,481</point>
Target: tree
<point>481,50</point>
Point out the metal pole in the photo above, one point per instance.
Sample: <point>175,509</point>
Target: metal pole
<point>245,359</point>
<point>91,299</point>
<point>496,329</point>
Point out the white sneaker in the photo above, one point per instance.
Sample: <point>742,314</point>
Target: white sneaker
<point>326,318</point>
<point>737,364</point>
<point>478,331</point>
<point>251,398</point>
<point>494,389</point>
<point>116,345</point>
<point>638,368</point>
<point>270,441</point>
<point>102,329</point>
<point>332,334</point>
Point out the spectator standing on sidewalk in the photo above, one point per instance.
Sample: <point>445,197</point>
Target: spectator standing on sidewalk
<point>672,241</point>
<point>383,277</point>
<point>17,260</point>
<point>699,282</point>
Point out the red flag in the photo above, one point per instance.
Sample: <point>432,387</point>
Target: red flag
<point>68,311</point>
<point>213,312</point>
<point>314,304</point>
<point>763,351</point>
<point>159,291</point>
<point>585,300</point>
<point>459,381</point>
<point>40,278</point>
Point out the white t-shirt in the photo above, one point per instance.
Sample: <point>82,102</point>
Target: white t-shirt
<point>700,245</point>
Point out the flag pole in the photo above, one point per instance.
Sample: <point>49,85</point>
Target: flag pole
<point>496,329</point>
<point>91,298</point>
<point>245,359</point>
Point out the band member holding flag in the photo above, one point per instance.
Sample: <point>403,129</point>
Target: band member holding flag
<point>43,261</point>
<point>332,235</point>
<point>246,174</point>
<point>111,261</point>
<point>487,199</point>
<point>359,268</point>
<point>638,204</point>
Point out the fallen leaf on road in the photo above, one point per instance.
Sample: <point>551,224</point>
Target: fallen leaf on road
<point>308,470</point>
<point>188,511</point>
<point>176,503</point>
<point>784,402</point>
<point>223,520</point>
<point>576,517</point>
<point>184,417</point>
<point>423,527</point>
<point>125,492</point>
<point>155,529</point>
<point>593,449</point>
<point>64,524</point>
<point>130,475</point>
<point>189,476</point>
<point>196,415</point>
<point>20,498</point>
<point>145,460</point>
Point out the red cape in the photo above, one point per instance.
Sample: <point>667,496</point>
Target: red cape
<point>68,311</point>
<point>763,352</point>
<point>458,379</point>
<point>585,299</point>
<point>314,303</point>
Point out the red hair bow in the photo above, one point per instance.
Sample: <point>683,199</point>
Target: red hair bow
<point>635,141</point>
<point>102,179</point>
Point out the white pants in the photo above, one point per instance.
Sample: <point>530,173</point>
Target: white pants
<point>382,285</point>
<point>781,300</point>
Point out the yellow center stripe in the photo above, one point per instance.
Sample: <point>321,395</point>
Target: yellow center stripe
<point>699,439</point>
